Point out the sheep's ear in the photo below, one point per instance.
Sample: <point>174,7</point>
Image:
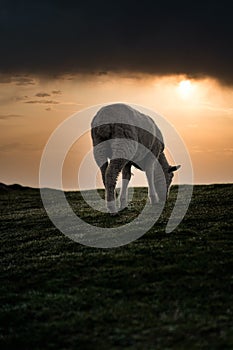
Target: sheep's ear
<point>173,168</point>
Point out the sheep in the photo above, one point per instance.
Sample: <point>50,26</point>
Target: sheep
<point>124,137</point>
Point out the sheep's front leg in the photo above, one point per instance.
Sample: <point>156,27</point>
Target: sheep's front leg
<point>103,169</point>
<point>114,168</point>
<point>152,194</point>
<point>126,176</point>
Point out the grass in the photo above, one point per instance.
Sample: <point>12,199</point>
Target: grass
<point>163,291</point>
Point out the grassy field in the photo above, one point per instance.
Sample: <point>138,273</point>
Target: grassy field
<point>163,291</point>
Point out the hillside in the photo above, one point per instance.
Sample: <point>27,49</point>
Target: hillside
<point>163,291</point>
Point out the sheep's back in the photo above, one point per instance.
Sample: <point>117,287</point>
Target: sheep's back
<point>121,121</point>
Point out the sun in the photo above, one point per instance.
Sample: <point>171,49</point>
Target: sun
<point>185,89</point>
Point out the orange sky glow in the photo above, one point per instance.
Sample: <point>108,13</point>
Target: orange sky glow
<point>32,107</point>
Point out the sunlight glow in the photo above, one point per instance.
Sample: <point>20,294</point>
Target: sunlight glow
<point>185,89</point>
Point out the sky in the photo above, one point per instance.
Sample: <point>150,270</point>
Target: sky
<point>60,57</point>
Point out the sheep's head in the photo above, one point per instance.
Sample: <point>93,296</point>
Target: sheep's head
<point>169,176</point>
<point>163,187</point>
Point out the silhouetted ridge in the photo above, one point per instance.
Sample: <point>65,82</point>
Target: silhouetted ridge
<point>13,187</point>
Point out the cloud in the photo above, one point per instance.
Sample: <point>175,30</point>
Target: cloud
<point>42,94</point>
<point>42,101</point>
<point>23,81</point>
<point>9,147</point>
<point>19,146</point>
<point>102,73</point>
<point>228,151</point>
<point>18,79</point>
<point>172,37</point>
<point>56,92</point>
<point>10,116</point>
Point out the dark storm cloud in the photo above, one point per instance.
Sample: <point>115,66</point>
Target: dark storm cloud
<point>160,37</point>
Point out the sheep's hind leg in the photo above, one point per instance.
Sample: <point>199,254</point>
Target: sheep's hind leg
<point>101,158</point>
<point>114,168</point>
<point>126,176</point>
